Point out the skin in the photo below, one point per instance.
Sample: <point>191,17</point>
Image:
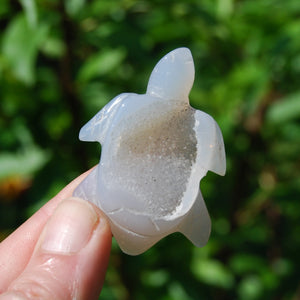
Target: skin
<point>31,265</point>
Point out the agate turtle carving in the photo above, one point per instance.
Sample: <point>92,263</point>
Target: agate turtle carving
<point>155,150</point>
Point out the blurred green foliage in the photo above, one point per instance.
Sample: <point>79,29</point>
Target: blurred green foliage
<point>61,61</point>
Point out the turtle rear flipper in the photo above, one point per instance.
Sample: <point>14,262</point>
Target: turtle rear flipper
<point>196,226</point>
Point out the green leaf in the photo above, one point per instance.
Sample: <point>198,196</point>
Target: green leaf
<point>20,48</point>
<point>74,6</point>
<point>53,47</point>
<point>155,278</point>
<point>23,163</point>
<point>285,110</point>
<point>243,263</point>
<point>177,292</point>
<point>224,8</point>
<point>250,288</point>
<point>29,7</point>
<point>101,63</point>
<point>214,273</point>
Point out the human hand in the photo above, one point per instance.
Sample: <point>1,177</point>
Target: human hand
<point>61,252</point>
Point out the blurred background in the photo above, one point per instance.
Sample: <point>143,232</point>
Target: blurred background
<point>62,61</point>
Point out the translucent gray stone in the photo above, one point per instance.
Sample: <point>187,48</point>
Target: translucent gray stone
<point>155,150</point>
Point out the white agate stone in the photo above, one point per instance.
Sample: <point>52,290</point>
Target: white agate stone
<point>155,150</point>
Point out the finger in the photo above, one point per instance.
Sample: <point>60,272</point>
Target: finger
<point>70,258</point>
<point>16,250</point>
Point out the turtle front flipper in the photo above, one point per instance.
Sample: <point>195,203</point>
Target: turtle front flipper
<point>95,129</point>
<point>210,144</point>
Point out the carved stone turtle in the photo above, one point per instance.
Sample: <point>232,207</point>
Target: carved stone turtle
<point>155,150</point>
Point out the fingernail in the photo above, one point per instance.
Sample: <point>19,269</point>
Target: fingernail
<point>70,227</point>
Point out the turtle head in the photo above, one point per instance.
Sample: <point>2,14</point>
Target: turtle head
<point>173,76</point>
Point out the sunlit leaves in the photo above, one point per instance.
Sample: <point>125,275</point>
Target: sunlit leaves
<point>74,6</point>
<point>214,273</point>
<point>20,47</point>
<point>30,9</point>
<point>31,159</point>
<point>286,109</point>
<point>101,63</point>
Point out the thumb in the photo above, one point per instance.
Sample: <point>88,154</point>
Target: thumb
<point>70,257</point>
